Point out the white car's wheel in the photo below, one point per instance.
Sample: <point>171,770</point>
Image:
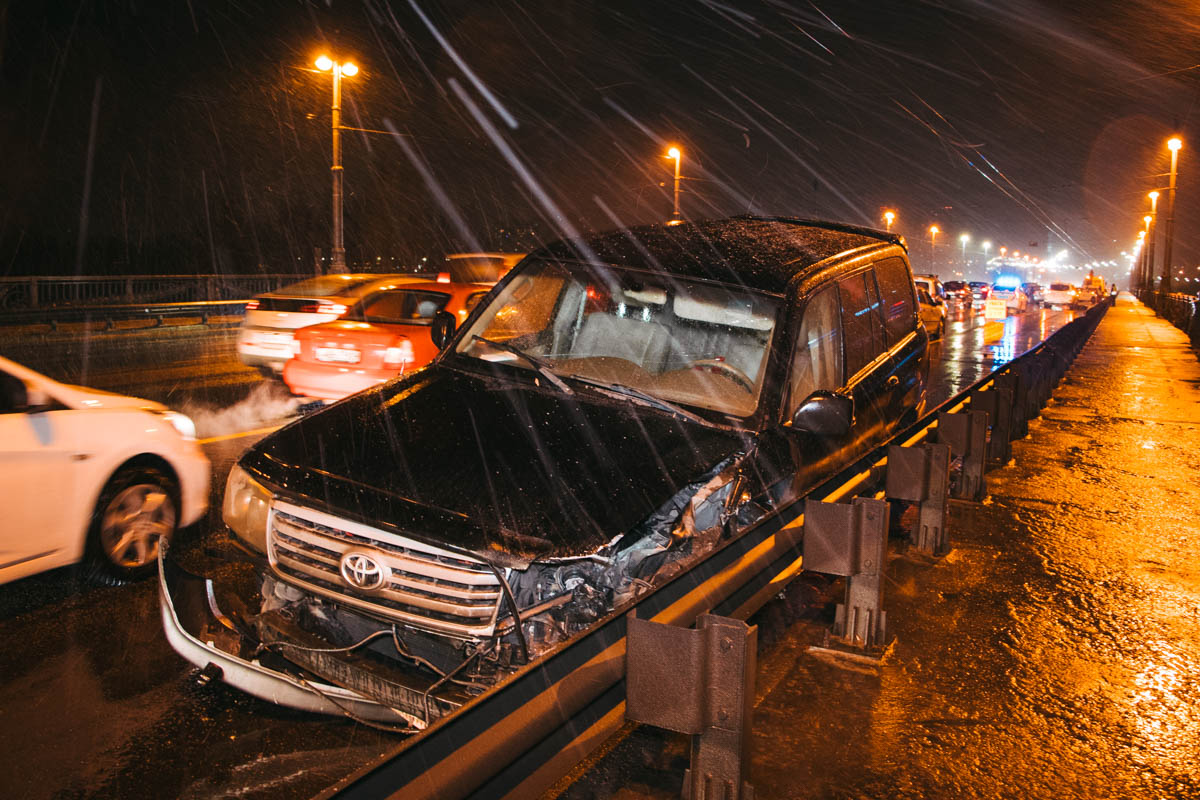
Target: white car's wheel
<point>137,509</point>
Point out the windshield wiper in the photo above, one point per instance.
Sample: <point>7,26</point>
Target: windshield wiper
<point>647,399</point>
<point>541,365</point>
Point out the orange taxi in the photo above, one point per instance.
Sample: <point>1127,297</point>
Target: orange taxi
<point>384,335</point>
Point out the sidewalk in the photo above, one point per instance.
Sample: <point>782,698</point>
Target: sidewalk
<point>1054,653</point>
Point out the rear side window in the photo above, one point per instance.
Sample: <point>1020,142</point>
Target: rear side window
<point>896,291</point>
<point>862,324</point>
<point>817,357</point>
<point>401,306</point>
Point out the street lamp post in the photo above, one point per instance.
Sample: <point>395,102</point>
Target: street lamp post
<point>986,247</point>
<point>963,241</point>
<point>678,156</point>
<point>326,64</point>
<point>1144,235</point>
<point>888,218</point>
<point>933,232</point>
<point>1173,144</point>
<point>1147,281</point>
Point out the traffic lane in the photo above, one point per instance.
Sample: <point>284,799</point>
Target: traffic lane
<point>96,702</point>
<point>181,366</point>
<point>974,346</point>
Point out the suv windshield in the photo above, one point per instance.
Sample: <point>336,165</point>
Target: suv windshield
<point>683,341</point>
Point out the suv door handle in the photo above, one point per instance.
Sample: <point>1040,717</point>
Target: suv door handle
<point>893,381</point>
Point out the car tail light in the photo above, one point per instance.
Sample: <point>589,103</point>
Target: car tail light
<point>336,309</point>
<point>443,277</point>
<point>399,354</point>
<point>251,305</point>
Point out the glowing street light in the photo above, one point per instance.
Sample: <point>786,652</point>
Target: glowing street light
<point>986,246</point>
<point>326,64</point>
<point>1173,144</point>
<point>678,156</point>
<point>933,232</point>
<point>963,241</point>
<point>888,218</point>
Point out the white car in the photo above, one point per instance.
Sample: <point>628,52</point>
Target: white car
<point>86,474</point>
<point>1059,295</point>
<point>1015,300</point>
<point>265,339</point>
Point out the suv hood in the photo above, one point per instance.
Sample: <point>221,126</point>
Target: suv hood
<point>496,467</point>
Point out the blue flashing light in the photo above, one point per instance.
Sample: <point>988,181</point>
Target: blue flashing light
<point>1008,282</point>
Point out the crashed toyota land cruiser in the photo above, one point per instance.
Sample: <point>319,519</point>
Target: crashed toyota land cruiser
<point>616,409</point>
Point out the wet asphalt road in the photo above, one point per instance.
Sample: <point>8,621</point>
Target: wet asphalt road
<point>1054,653</point>
<point>94,703</point>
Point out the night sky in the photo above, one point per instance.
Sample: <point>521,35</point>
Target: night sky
<point>193,135</point>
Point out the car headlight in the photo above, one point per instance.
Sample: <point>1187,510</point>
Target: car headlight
<point>181,423</point>
<point>245,509</point>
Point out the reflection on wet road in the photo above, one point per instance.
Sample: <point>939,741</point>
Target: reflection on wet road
<point>973,346</point>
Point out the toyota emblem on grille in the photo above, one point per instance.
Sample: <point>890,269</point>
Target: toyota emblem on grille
<point>364,571</point>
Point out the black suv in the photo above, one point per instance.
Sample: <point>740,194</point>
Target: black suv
<point>611,412</point>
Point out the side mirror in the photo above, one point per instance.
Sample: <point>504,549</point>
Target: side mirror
<point>441,329</point>
<point>825,414</point>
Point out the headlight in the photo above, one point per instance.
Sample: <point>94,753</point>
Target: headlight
<point>245,509</point>
<point>181,423</point>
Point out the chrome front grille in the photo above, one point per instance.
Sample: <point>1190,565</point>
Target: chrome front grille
<point>425,586</point>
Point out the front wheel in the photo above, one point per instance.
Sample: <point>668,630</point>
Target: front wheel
<point>137,509</point>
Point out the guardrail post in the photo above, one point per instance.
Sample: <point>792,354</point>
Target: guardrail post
<point>33,292</point>
<point>701,682</point>
<point>998,405</point>
<point>922,475</point>
<point>851,540</point>
<point>1012,381</point>
<point>966,434</point>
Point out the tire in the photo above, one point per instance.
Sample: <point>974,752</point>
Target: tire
<point>138,507</point>
<point>941,331</point>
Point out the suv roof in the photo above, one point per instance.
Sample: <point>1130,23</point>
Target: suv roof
<point>763,253</point>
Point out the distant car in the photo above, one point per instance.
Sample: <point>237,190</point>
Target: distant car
<point>1034,292</point>
<point>957,292</point>
<point>265,340</point>
<point>979,291</point>
<point>1091,292</point>
<point>1013,296</point>
<point>92,475</point>
<point>382,337</point>
<point>1059,295</point>
<point>931,284</point>
<point>933,313</point>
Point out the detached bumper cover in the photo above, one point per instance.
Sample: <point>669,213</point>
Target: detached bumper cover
<point>190,615</point>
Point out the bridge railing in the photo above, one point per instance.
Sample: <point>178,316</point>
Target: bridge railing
<point>41,292</point>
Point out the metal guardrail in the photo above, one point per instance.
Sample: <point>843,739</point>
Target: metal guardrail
<point>158,312</point>
<point>53,291</point>
<point>520,737</point>
<point>1181,310</point>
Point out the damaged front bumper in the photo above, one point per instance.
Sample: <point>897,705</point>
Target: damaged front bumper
<point>202,633</point>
